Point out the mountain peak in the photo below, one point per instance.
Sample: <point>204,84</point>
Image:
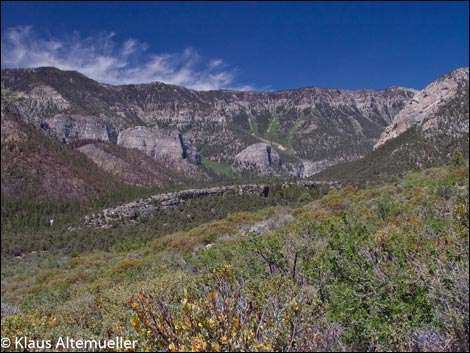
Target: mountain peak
<point>421,109</point>
<point>310,128</point>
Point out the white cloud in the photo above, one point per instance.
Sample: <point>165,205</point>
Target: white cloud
<point>102,58</point>
<point>215,63</point>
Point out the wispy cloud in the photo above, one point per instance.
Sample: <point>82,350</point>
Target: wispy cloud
<point>107,60</point>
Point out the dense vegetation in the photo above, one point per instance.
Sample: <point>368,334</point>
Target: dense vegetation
<point>26,223</point>
<point>375,269</point>
<point>396,158</point>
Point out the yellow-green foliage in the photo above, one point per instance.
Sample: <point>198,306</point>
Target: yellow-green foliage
<point>201,235</point>
<point>204,234</point>
<point>127,266</point>
<point>338,199</point>
<point>306,215</point>
<point>210,231</point>
<point>240,218</point>
<point>221,314</point>
<point>33,324</point>
<point>375,269</point>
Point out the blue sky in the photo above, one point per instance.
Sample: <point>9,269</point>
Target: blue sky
<point>241,45</point>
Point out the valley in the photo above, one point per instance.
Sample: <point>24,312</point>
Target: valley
<point>356,265</point>
<point>301,220</point>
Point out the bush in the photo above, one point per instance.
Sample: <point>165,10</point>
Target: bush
<point>223,313</point>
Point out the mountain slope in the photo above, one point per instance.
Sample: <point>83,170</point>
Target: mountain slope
<point>433,107</point>
<point>377,269</point>
<point>314,126</point>
<point>424,138</point>
<point>36,166</point>
<point>133,167</point>
<point>307,129</point>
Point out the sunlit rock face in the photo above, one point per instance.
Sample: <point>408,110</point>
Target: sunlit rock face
<point>158,143</point>
<point>258,159</point>
<point>314,127</point>
<point>422,109</point>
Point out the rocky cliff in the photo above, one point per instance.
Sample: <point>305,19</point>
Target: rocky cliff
<point>262,159</point>
<point>312,127</point>
<point>426,133</point>
<point>424,110</point>
<point>158,143</point>
<point>131,212</point>
<point>39,166</point>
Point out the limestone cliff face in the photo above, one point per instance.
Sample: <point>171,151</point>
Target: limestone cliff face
<point>134,167</point>
<point>312,124</point>
<point>69,128</point>
<point>46,109</point>
<point>258,159</point>
<point>130,212</point>
<point>424,134</point>
<point>317,127</point>
<point>158,143</point>
<point>262,159</point>
<point>423,109</point>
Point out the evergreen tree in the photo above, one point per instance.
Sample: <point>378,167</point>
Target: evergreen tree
<point>457,159</point>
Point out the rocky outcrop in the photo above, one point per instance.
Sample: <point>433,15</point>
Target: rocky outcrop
<point>41,98</point>
<point>70,128</point>
<point>422,109</point>
<point>425,134</point>
<point>132,211</point>
<point>294,169</point>
<point>166,202</point>
<point>258,160</point>
<point>322,126</point>
<point>158,143</point>
<point>261,159</point>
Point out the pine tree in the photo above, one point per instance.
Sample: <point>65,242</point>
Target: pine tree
<point>457,159</point>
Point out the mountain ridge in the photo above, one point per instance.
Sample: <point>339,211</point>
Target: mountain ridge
<point>425,103</point>
<point>307,130</point>
<point>428,139</point>
<point>221,124</point>
<point>230,90</point>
